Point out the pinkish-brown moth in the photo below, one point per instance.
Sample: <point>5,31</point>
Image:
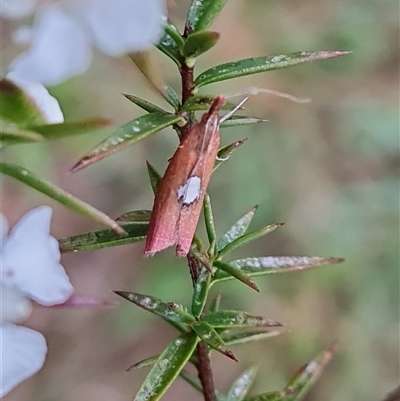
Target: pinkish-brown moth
<point>180,195</point>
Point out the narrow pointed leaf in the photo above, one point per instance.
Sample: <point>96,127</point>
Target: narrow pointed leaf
<point>301,383</point>
<point>207,333</point>
<point>155,177</point>
<point>270,396</point>
<point>167,368</point>
<point>200,291</point>
<point>209,219</point>
<point>144,363</point>
<point>248,336</point>
<point>242,385</point>
<point>236,273</point>
<point>127,135</point>
<point>17,106</point>
<point>73,128</point>
<point>173,32</point>
<point>254,65</point>
<point>229,319</point>
<point>202,13</point>
<point>238,229</point>
<point>275,264</point>
<point>199,42</point>
<point>193,381</point>
<point>135,216</point>
<point>215,304</point>
<point>236,121</point>
<point>12,134</point>
<point>203,102</point>
<point>169,311</point>
<point>59,195</point>
<point>225,152</point>
<point>245,239</point>
<point>171,43</point>
<point>145,105</point>
<point>92,240</point>
<point>171,97</point>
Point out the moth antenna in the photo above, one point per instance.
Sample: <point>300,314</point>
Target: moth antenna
<point>229,115</point>
<point>254,90</point>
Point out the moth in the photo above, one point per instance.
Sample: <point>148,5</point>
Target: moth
<point>180,195</point>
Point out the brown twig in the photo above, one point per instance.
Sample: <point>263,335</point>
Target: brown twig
<point>205,372</point>
<point>204,363</point>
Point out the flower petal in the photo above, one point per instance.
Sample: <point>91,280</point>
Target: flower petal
<point>3,230</point>
<point>47,104</point>
<point>23,353</point>
<point>60,48</point>
<point>14,307</point>
<point>122,26</point>
<point>16,8</point>
<point>31,258</point>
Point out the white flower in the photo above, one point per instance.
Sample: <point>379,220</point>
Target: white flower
<point>39,95</point>
<point>29,270</point>
<point>65,31</point>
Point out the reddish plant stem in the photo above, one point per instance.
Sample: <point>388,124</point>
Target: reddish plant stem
<point>205,372</point>
<point>187,82</point>
<point>204,363</point>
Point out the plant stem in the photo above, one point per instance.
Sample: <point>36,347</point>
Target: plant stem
<point>205,372</point>
<point>204,363</point>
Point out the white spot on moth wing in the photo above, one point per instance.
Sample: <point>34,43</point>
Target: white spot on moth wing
<point>190,191</point>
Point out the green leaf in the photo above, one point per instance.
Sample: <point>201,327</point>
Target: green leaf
<point>171,43</point>
<point>169,311</point>
<point>225,152</point>
<point>89,241</point>
<point>173,32</point>
<point>64,130</point>
<point>245,239</point>
<point>127,135</point>
<point>209,219</point>
<point>301,383</point>
<point>270,396</point>
<point>193,381</point>
<point>202,13</point>
<point>155,177</point>
<point>236,121</point>
<point>167,368</point>
<point>204,102</point>
<point>199,42</point>
<point>17,106</point>
<point>236,273</point>
<point>200,291</point>
<point>242,385</point>
<point>144,363</point>
<point>248,336</point>
<point>59,195</point>
<point>145,105</point>
<point>254,65</point>
<point>238,229</point>
<point>135,216</point>
<point>208,335</point>
<point>215,304</point>
<point>229,319</point>
<point>12,134</point>
<point>275,264</point>
<point>172,98</point>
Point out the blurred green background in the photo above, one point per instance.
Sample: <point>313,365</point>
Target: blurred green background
<point>328,169</point>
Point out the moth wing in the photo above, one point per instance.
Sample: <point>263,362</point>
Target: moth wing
<point>163,225</point>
